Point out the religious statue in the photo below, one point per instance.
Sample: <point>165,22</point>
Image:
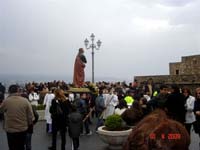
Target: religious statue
<point>79,65</point>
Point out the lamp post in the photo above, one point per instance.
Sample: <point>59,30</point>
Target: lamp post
<point>93,47</point>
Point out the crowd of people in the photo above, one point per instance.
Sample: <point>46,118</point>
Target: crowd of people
<point>74,111</point>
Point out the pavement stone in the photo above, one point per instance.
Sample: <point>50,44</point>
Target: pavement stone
<point>41,140</point>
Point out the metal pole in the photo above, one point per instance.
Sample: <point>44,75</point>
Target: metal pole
<point>92,46</point>
<point>92,66</point>
<point>92,62</point>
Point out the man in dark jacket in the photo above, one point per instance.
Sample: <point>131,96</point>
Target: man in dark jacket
<point>159,100</point>
<point>82,108</point>
<point>99,108</point>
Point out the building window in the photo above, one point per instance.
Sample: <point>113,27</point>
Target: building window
<point>195,62</point>
<point>177,72</point>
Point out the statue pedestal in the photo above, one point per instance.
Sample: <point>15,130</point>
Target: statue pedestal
<point>79,90</point>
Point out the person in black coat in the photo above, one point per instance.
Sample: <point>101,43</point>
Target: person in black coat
<point>196,124</point>
<point>2,96</point>
<point>175,105</point>
<point>75,126</point>
<point>60,109</point>
<point>2,92</point>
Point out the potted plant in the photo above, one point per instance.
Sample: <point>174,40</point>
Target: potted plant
<point>114,133</point>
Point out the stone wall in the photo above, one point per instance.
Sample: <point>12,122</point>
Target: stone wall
<point>174,67</point>
<point>188,65</point>
<point>190,81</point>
<point>171,79</point>
<point>184,73</point>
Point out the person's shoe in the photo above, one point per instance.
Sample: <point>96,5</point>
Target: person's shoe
<point>50,131</point>
<point>82,134</point>
<point>90,133</point>
<point>51,148</point>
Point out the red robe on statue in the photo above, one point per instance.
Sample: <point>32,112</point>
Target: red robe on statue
<point>79,74</point>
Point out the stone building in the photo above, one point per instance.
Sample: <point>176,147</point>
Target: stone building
<point>189,65</point>
<point>184,73</point>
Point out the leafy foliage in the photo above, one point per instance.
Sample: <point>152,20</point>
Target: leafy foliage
<point>40,107</point>
<point>114,122</point>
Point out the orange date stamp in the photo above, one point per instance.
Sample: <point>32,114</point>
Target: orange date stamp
<point>169,136</point>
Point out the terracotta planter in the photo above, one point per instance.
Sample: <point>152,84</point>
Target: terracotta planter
<point>114,139</point>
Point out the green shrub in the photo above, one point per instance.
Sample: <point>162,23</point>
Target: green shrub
<point>114,122</point>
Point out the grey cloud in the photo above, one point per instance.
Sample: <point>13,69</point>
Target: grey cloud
<point>168,3</point>
<point>186,16</point>
<point>45,35</point>
<point>176,3</point>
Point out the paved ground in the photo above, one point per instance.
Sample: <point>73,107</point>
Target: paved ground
<point>41,140</point>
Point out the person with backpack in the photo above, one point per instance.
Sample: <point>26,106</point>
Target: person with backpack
<point>59,109</point>
<point>75,127</point>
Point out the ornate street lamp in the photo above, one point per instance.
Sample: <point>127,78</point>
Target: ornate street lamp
<point>92,46</point>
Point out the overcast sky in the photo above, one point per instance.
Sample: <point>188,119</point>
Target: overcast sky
<point>139,37</point>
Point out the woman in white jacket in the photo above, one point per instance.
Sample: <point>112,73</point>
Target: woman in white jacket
<point>111,101</point>
<point>189,106</point>
<point>47,102</point>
